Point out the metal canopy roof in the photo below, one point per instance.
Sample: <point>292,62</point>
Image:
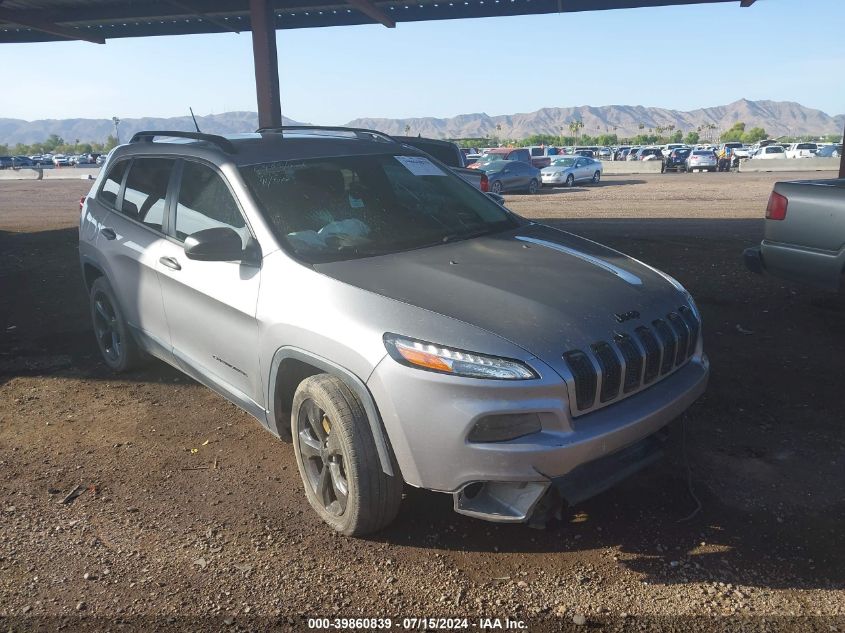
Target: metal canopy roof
<point>98,20</point>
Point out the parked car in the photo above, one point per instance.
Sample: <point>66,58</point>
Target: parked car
<point>804,234</point>
<point>801,150</point>
<point>567,170</point>
<point>60,160</point>
<point>769,152</point>
<point>493,154</point>
<point>395,324</point>
<point>450,155</point>
<point>6,162</point>
<point>512,175</point>
<point>22,161</point>
<point>677,159</point>
<point>605,153</point>
<point>670,147</point>
<point>829,151</point>
<point>650,153</point>
<point>586,153</point>
<point>101,159</point>
<point>702,159</point>
<point>621,152</point>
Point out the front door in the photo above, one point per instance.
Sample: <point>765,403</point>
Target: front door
<point>211,306</point>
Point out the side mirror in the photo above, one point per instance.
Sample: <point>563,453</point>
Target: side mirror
<point>219,244</point>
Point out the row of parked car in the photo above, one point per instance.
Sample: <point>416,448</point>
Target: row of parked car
<point>54,160</point>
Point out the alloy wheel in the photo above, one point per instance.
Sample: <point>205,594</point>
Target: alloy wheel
<point>322,457</point>
<point>106,328</point>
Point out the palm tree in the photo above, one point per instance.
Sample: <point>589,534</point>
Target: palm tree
<point>574,126</point>
<point>498,131</point>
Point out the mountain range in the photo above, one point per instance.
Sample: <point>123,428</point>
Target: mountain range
<point>778,118</point>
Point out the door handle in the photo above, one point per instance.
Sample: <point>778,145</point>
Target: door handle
<point>108,233</point>
<point>170,262</point>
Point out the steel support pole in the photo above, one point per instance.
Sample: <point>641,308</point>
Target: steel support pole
<point>266,63</point>
<point>842,160</point>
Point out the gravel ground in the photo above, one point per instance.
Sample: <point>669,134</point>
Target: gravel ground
<point>165,537</point>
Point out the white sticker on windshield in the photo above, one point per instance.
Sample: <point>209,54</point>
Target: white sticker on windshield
<point>420,166</point>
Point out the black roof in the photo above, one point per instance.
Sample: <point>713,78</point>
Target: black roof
<point>98,20</point>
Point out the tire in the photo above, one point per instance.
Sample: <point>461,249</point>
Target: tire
<point>117,347</point>
<point>496,187</point>
<point>596,177</point>
<point>570,180</point>
<point>533,187</point>
<point>340,470</point>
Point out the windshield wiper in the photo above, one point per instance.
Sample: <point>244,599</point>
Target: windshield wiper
<point>455,237</point>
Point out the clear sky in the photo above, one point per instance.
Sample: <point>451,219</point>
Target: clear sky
<point>673,57</point>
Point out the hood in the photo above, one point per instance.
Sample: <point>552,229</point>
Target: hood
<point>553,169</point>
<point>545,290</point>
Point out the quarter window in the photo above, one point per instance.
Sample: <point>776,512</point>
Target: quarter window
<point>205,202</point>
<point>111,186</point>
<point>146,190</point>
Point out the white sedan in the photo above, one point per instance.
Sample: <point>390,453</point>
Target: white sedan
<point>567,170</point>
<point>769,152</point>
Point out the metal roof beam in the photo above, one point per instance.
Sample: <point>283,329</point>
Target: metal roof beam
<point>370,10</point>
<point>14,17</point>
<point>223,24</point>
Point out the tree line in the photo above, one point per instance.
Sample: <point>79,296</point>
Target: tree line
<point>55,144</point>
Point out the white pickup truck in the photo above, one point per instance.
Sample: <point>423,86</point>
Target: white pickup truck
<point>802,150</point>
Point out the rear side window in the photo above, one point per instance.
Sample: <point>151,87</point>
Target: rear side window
<point>111,186</point>
<point>205,202</point>
<point>146,189</point>
<point>774,150</point>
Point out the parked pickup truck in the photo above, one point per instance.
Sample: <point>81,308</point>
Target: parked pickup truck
<point>451,155</point>
<point>805,234</point>
<point>522,154</point>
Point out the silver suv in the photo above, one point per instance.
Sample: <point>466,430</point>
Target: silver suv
<point>400,326</point>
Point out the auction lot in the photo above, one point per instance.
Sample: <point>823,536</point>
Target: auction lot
<point>189,511</point>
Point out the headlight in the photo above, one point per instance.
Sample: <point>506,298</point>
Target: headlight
<point>445,360</point>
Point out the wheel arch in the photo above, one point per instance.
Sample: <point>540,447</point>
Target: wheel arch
<point>290,366</point>
<point>90,273</point>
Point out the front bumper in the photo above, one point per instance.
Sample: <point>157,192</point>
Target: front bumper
<point>429,416</point>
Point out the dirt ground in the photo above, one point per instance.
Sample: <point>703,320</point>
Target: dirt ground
<point>161,539</point>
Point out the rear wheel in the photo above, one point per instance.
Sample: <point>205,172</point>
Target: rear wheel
<point>496,187</point>
<point>337,458</point>
<point>119,350</point>
<point>533,187</point>
<point>596,177</point>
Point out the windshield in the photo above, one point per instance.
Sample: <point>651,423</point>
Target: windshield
<point>489,158</point>
<point>563,162</point>
<point>333,209</point>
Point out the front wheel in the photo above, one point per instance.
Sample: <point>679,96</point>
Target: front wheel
<point>337,458</point>
<point>496,187</point>
<point>570,180</point>
<point>596,177</point>
<point>533,187</point>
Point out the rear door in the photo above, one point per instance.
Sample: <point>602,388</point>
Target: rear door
<point>130,239</point>
<point>211,306</point>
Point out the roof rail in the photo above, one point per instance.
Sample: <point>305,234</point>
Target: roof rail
<point>221,141</point>
<point>361,133</point>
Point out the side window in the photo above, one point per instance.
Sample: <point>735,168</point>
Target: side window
<point>205,202</point>
<point>146,189</point>
<point>111,186</point>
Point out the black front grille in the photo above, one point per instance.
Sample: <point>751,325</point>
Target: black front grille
<point>682,332</point>
<point>585,377</point>
<point>633,362</point>
<point>611,370</point>
<point>670,344</point>
<point>652,352</point>
<point>694,328</point>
